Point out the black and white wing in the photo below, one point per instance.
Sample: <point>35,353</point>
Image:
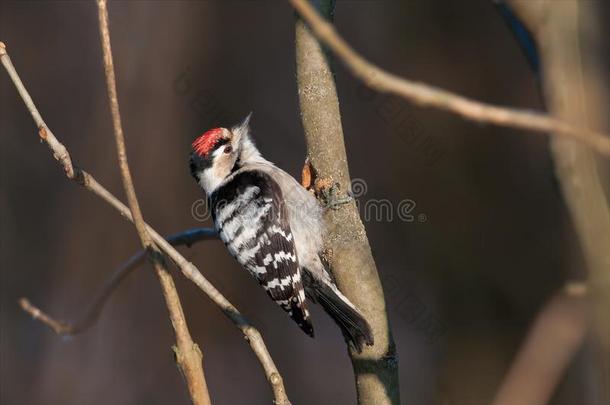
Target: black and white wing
<point>251,220</point>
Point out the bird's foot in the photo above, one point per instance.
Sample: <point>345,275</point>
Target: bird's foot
<point>329,193</point>
<point>327,190</point>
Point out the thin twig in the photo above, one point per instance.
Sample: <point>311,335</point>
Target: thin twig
<point>188,355</point>
<point>128,186</point>
<point>187,268</point>
<point>94,310</point>
<point>429,96</point>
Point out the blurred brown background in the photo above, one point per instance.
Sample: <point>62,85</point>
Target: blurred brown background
<point>490,241</point>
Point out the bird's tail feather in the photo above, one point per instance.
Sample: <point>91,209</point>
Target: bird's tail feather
<point>353,325</point>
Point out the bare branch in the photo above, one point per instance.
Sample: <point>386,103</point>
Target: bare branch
<point>118,129</point>
<point>59,151</point>
<point>428,96</point>
<point>188,354</point>
<point>94,310</point>
<point>59,327</point>
<point>556,334</point>
<point>187,268</point>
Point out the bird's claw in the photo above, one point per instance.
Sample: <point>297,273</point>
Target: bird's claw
<point>330,196</point>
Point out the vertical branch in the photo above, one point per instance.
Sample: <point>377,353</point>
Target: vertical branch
<point>376,368</point>
<point>188,355</point>
<point>132,200</point>
<point>576,90</point>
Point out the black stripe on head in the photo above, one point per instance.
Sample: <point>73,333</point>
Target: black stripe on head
<point>218,144</point>
<point>198,163</point>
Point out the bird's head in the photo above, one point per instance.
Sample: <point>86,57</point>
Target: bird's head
<point>219,152</point>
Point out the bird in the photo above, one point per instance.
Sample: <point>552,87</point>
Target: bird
<point>273,227</point>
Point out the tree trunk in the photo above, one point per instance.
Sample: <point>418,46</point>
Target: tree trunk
<point>350,257</point>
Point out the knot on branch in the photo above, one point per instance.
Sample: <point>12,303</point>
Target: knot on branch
<point>179,359</point>
<point>197,350</point>
<point>250,333</point>
<point>42,133</point>
<point>275,379</point>
<point>177,354</point>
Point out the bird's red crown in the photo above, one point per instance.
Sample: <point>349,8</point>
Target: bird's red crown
<point>205,143</point>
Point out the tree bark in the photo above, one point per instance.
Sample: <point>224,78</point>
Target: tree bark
<point>350,257</point>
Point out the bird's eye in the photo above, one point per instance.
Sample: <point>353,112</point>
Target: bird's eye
<point>228,149</point>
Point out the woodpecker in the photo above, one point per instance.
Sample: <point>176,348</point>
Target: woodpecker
<point>273,227</point>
